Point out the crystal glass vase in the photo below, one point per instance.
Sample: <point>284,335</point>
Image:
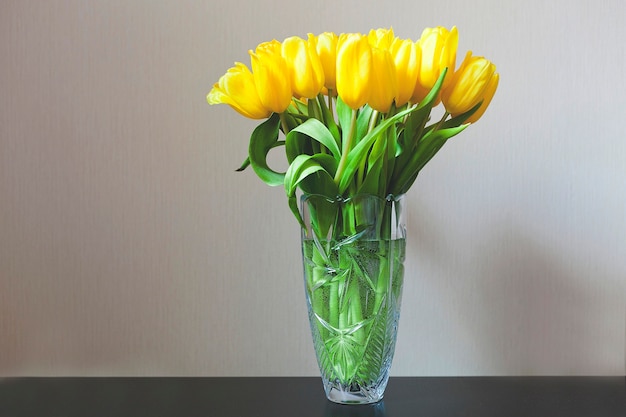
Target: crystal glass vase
<point>353,253</point>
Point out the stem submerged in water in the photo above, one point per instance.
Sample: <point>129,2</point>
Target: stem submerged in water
<point>353,286</point>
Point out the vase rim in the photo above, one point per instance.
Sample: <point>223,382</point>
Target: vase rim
<point>341,199</point>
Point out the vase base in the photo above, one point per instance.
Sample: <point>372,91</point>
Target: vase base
<point>353,395</point>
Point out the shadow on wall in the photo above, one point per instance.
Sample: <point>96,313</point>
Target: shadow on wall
<point>520,306</point>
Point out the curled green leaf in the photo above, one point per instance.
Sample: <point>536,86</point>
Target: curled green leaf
<point>264,138</point>
<point>302,168</point>
<point>314,130</point>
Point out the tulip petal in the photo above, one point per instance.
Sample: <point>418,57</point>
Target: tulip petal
<point>326,48</point>
<point>271,76</point>
<point>354,69</point>
<point>488,94</point>
<point>469,85</point>
<point>384,84</point>
<point>237,89</point>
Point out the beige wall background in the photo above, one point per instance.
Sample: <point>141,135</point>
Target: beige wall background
<point>129,246</point>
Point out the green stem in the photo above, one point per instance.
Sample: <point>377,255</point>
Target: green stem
<point>440,122</point>
<point>346,148</point>
<point>314,110</point>
<point>384,233</point>
<point>356,315</point>
<point>342,294</point>
<point>373,120</point>
<point>382,285</point>
<point>330,101</point>
<point>333,304</point>
<point>318,274</point>
<point>361,173</point>
<point>340,304</point>
<point>421,130</point>
<point>283,122</point>
<point>418,135</point>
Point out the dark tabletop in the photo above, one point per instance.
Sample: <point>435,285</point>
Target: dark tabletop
<point>304,397</point>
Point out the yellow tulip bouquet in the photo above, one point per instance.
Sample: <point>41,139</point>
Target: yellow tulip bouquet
<point>354,108</point>
<point>355,114</point>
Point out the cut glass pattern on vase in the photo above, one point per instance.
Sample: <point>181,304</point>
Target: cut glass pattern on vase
<point>353,288</point>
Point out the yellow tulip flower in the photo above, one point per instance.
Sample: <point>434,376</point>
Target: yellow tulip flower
<point>406,58</point>
<point>420,92</point>
<point>271,76</point>
<point>354,69</point>
<point>237,89</point>
<point>475,80</point>
<point>384,84</point>
<point>305,68</point>
<point>381,38</point>
<point>438,51</point>
<point>488,94</point>
<point>326,47</point>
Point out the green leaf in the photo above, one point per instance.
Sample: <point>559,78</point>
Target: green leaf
<point>414,129</point>
<point>360,150</point>
<point>264,138</point>
<point>375,180</point>
<point>430,144</point>
<point>302,167</point>
<point>298,106</point>
<point>292,201</point>
<point>315,130</point>
<point>417,120</point>
<point>390,156</point>
<point>344,115</point>
<point>461,118</point>
<point>313,109</point>
<point>363,122</point>
<point>244,165</point>
<point>297,143</point>
<point>433,142</point>
<point>329,119</point>
<point>456,121</point>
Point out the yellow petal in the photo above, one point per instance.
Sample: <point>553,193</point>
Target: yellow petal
<point>326,47</point>
<point>237,89</point>
<point>384,84</point>
<point>406,60</point>
<point>354,69</point>
<point>438,51</point>
<point>488,94</point>
<point>305,68</point>
<point>271,76</point>
<point>468,85</point>
<point>381,38</point>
